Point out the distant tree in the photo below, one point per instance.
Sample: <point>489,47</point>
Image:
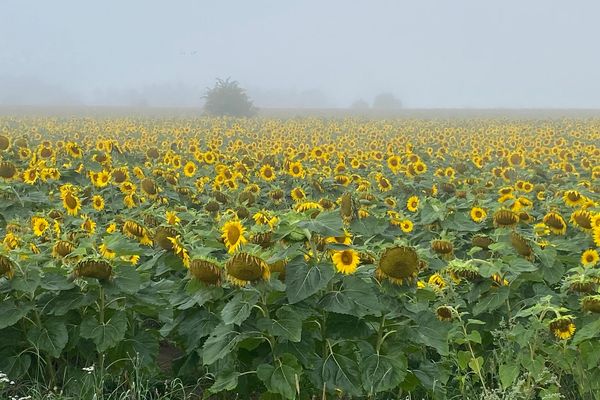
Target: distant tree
<point>226,97</point>
<point>387,101</point>
<point>359,104</point>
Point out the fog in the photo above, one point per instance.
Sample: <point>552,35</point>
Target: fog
<point>310,53</point>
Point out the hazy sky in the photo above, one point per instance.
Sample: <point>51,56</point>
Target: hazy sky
<point>446,53</point>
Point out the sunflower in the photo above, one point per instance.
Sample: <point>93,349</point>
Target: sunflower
<point>7,170</point>
<point>596,237</point>
<point>346,239</point>
<point>296,170</point>
<point>582,219</point>
<point>398,264</point>
<point>88,225</point>
<point>106,252</point>
<point>207,271</point>
<point>443,247</point>
<point>573,198</point>
<point>384,183</point>
<point>244,268</point>
<point>71,203</point>
<point>149,187</point>
<point>98,202</point>
<point>406,225</point>
<point>521,245</point>
<point>437,281</point>
<point>267,173</point>
<point>30,176</point>
<point>505,218</point>
<point>62,248</point>
<point>99,269</point>
<point>297,194</point>
<point>39,225</point>
<point>308,205</point>
<point>189,169</point>
<point>562,327</point>
<point>591,303</point>
<point>478,214</point>
<point>556,223</point>
<point>589,258</point>
<point>444,313</point>
<point>7,267</point>
<point>136,231</point>
<point>412,204</point>
<point>393,163</point>
<point>346,261</point>
<point>233,235</point>
<point>172,218</point>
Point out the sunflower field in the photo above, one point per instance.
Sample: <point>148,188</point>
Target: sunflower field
<point>305,258</point>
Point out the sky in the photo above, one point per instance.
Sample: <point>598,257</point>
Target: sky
<point>321,53</point>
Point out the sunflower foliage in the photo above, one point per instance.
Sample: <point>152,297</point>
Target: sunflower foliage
<point>244,262</point>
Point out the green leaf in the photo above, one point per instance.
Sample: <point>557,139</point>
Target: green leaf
<point>105,335</point>
<point>380,373</point>
<point>128,279</point>
<point>238,309</point>
<point>196,326</point>
<point>227,380</point>
<point>66,301</point>
<point>325,224</point>
<point>28,282</point>
<point>368,227</point>
<point>355,297</point>
<point>11,313</point>
<point>121,245</point>
<point>476,364</point>
<point>495,298</point>
<point>586,332</point>
<point>338,371</point>
<point>56,282</point>
<point>303,280</point>
<point>432,332</point>
<point>508,373</point>
<point>51,337</point>
<point>220,342</point>
<point>282,378</point>
<point>288,324</point>
<point>518,264</point>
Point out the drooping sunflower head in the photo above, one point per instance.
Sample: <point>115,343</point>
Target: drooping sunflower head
<point>521,245</point>
<point>562,327</point>
<point>7,170</point>
<point>92,268</point>
<point>482,241</point>
<point>62,248</point>
<point>149,187</point>
<point>137,231</point>
<point>346,206</point>
<point>71,203</point>
<point>243,268</point>
<point>233,235</point>
<point>505,218</point>
<point>581,283</point>
<point>207,271</point>
<point>461,270</point>
<point>162,235</point>
<point>582,219</point>
<point>443,247</point>
<point>591,303</point>
<point>398,264</point>
<point>279,267</point>
<point>444,313</point>
<point>346,261</point>
<point>556,223</point>
<point>7,267</point>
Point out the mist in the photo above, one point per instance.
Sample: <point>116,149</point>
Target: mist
<point>303,54</point>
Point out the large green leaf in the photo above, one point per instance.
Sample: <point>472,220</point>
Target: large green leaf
<point>338,371</point>
<point>238,309</point>
<point>282,377</point>
<point>196,326</point>
<point>495,298</point>
<point>325,224</point>
<point>356,297</point>
<point>11,313</point>
<point>105,335</point>
<point>432,332</point>
<point>221,341</point>
<point>128,279</point>
<point>303,280</point>
<point>288,324</point>
<point>380,373</point>
<point>51,337</point>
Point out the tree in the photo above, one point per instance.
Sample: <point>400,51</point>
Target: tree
<point>228,98</point>
<point>387,101</point>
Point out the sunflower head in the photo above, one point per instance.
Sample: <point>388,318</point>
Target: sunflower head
<point>505,218</point>
<point>443,247</point>
<point>398,264</point>
<point>521,245</point>
<point>206,271</point>
<point>562,327</point>
<point>461,270</point>
<point>444,313</point>
<point>162,235</point>
<point>582,219</point>
<point>7,267</point>
<point>244,268</point>
<point>346,261</point>
<point>279,267</point>
<point>91,268</point>
<point>346,207</point>
<point>478,214</point>
<point>7,170</point>
<point>590,257</point>
<point>62,248</point>
<point>556,223</point>
<point>482,241</point>
<point>233,235</point>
